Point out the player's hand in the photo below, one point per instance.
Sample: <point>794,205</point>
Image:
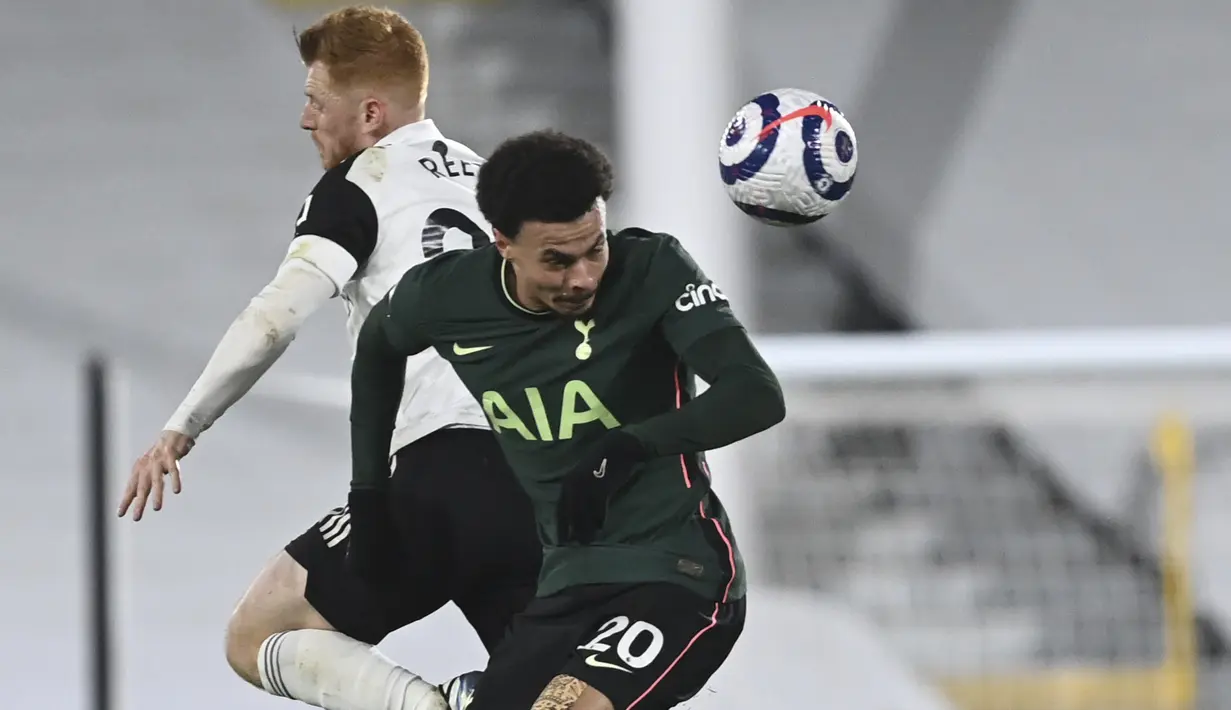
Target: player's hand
<point>373,549</point>
<point>582,507</point>
<point>147,474</point>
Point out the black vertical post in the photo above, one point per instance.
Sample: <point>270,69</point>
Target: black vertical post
<point>97,543</point>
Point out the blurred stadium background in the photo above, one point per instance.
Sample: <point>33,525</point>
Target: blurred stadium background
<point>983,498</point>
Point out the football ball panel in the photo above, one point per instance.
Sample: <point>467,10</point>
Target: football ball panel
<point>788,157</point>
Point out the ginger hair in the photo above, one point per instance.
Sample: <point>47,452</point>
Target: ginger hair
<point>368,47</point>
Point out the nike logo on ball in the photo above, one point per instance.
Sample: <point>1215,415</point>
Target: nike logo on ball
<point>821,111</point>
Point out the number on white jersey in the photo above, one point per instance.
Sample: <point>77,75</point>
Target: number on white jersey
<point>303,214</point>
<point>440,221</point>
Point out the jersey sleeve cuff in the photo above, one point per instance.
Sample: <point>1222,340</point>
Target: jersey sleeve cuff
<point>330,257</point>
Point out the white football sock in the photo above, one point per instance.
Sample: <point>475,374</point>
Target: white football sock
<point>335,672</point>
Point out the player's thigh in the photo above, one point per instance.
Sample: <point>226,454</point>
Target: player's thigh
<point>276,596</point>
<point>273,602</point>
<point>350,605</point>
<point>448,546</point>
<point>540,642</point>
<point>490,610</point>
<point>472,524</point>
<point>656,646</point>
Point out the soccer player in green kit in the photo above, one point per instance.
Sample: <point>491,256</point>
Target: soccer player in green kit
<point>581,344</point>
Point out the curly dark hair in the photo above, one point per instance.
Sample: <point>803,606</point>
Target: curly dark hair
<point>544,176</point>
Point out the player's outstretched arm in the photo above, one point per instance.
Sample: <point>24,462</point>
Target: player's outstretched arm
<point>378,374</point>
<point>253,342</point>
<point>697,321</point>
<point>336,231</point>
<point>744,398</point>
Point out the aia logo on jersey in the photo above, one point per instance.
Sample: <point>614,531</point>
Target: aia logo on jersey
<point>695,296</point>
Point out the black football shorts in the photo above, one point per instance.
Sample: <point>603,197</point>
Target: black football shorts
<point>644,646</point>
<point>467,534</point>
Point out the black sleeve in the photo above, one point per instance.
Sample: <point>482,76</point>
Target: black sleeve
<point>340,211</point>
<point>744,398</point>
<point>394,330</point>
<point>377,381</point>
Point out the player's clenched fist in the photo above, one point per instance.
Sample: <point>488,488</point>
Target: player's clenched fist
<point>581,509</point>
<point>147,474</point>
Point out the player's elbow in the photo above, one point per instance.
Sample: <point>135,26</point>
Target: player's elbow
<point>756,398</point>
<point>373,344</point>
<point>778,411</point>
<point>377,366</point>
<point>770,403</point>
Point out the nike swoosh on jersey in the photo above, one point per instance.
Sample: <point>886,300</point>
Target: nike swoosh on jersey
<point>592,660</point>
<point>459,350</point>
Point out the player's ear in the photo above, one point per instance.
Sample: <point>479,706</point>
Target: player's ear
<point>502,243</point>
<point>373,115</point>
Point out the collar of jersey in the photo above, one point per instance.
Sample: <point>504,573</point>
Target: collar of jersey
<point>417,132</point>
<point>504,288</point>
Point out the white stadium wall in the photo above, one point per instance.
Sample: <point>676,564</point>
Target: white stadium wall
<point>1079,181</point>
<point>798,651</point>
<point>1084,186</point>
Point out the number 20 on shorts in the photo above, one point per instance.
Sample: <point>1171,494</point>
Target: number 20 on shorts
<point>631,635</point>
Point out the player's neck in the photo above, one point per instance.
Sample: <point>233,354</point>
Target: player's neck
<point>397,122</point>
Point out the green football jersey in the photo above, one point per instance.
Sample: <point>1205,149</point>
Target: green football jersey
<point>552,386</point>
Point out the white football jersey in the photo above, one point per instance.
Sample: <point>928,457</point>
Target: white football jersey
<point>390,207</point>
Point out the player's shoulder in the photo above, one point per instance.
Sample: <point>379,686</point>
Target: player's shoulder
<point>339,210</point>
<point>364,175</point>
<point>414,163</point>
<point>420,155</point>
<point>455,270</point>
<point>641,250</point>
<point>425,137</point>
<point>375,173</point>
<point>342,187</point>
<point>645,241</point>
<point>433,290</point>
<point>340,175</point>
<point>449,150</point>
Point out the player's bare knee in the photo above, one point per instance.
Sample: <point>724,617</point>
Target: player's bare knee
<point>273,603</point>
